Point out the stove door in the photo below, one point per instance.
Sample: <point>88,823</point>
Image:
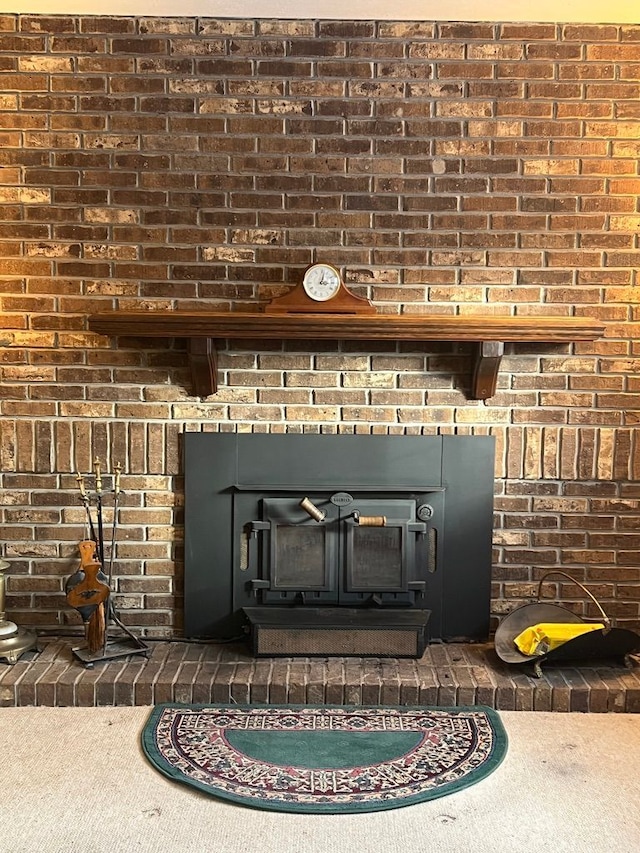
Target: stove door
<point>299,554</point>
<point>380,553</point>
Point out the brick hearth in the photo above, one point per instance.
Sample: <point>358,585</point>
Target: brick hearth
<point>188,672</point>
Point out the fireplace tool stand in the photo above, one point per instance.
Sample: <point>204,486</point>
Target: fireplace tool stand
<point>89,590</point>
<point>14,641</point>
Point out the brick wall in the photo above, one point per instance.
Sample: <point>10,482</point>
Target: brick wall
<point>447,168</point>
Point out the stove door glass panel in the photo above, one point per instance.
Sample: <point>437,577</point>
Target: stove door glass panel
<point>377,559</point>
<point>379,550</point>
<point>299,557</point>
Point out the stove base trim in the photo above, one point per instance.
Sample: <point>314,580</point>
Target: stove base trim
<point>337,632</point>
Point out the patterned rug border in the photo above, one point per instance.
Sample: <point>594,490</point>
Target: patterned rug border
<point>496,756</point>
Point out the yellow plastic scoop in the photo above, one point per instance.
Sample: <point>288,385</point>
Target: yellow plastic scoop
<point>546,636</point>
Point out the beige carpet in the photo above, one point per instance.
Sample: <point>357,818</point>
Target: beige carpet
<point>75,781</point>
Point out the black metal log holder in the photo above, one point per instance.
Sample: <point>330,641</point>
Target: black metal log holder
<point>608,642</point>
<point>127,643</point>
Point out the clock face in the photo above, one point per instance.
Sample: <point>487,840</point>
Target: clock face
<point>321,282</point>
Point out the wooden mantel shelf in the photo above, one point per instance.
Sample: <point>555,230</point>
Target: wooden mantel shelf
<point>203,329</point>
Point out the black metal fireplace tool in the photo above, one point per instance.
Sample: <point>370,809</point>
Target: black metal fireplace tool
<point>607,642</point>
<point>88,590</point>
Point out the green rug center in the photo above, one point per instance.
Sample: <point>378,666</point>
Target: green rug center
<point>321,749</point>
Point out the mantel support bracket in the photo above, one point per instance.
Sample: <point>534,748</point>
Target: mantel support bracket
<point>203,360</point>
<point>488,356</point>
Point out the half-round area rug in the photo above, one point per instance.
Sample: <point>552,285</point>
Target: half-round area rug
<point>324,759</point>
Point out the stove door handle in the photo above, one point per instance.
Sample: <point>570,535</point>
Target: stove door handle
<point>372,520</point>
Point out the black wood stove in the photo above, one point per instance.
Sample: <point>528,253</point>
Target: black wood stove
<point>338,545</point>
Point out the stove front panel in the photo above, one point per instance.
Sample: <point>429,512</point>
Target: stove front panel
<point>395,524</point>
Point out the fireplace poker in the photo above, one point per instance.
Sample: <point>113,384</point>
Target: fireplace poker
<point>116,496</point>
<point>85,501</point>
<point>98,487</point>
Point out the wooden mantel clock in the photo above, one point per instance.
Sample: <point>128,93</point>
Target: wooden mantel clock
<point>321,290</point>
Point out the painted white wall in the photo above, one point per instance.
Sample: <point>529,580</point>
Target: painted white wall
<point>562,11</point>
